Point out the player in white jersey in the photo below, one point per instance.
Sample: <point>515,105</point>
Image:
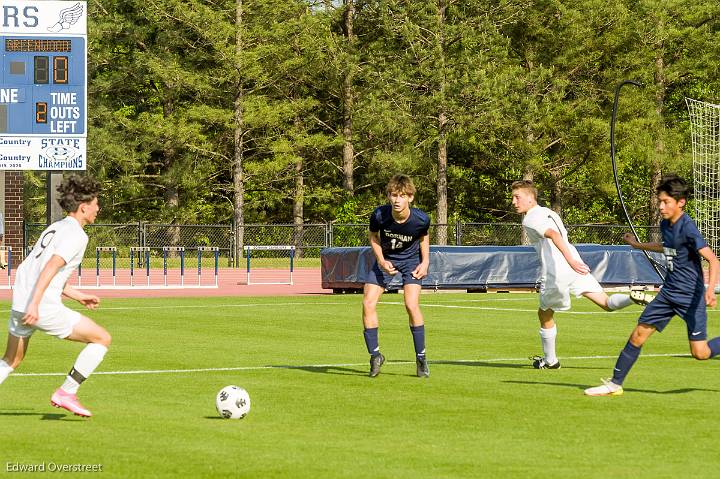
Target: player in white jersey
<point>563,271</point>
<point>40,282</point>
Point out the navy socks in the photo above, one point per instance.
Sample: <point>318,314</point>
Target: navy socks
<point>625,361</point>
<point>371,341</point>
<point>418,334</point>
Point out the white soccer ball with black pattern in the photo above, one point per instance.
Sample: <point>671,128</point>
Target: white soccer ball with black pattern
<point>232,402</point>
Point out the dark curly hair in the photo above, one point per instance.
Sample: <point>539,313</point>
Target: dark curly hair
<point>76,189</point>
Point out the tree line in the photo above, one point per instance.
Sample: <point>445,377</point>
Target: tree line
<point>296,111</point>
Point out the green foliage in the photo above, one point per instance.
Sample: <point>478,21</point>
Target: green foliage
<point>525,87</point>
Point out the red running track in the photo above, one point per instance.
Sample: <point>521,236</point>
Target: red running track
<point>231,282</point>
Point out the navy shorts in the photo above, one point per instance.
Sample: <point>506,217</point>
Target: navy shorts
<point>691,309</point>
<point>405,267</point>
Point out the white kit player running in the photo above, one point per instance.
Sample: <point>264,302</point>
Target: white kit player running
<point>40,282</point>
<point>563,271</point>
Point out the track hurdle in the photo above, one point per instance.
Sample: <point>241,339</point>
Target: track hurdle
<point>140,259</point>
<point>104,249</point>
<point>174,249</point>
<point>264,248</point>
<point>216,253</point>
<point>139,250</point>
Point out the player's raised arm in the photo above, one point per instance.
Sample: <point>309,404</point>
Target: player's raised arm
<point>656,247</point>
<point>90,301</point>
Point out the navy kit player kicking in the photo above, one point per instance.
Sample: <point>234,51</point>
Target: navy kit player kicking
<point>401,245</point>
<point>562,271</point>
<point>40,282</point>
<point>683,291</point>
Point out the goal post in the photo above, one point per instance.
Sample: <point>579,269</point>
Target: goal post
<point>705,133</point>
<point>270,264</point>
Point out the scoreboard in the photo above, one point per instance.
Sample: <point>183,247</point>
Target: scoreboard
<point>43,85</point>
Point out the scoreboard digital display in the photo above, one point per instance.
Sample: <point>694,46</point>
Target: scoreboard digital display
<point>43,85</point>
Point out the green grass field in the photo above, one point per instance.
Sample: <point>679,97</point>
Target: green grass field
<point>484,412</point>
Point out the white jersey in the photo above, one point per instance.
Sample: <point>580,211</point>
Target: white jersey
<point>64,238</point>
<point>537,221</point>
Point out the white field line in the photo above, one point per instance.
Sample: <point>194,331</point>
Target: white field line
<point>328,303</point>
<point>337,365</point>
<point>490,308</point>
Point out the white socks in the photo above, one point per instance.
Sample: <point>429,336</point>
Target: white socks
<point>619,301</point>
<point>5,370</point>
<point>547,336</point>
<point>86,362</point>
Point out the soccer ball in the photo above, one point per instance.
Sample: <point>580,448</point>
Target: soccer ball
<point>232,402</point>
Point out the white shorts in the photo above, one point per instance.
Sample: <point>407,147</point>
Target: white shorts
<point>556,295</point>
<point>59,324</point>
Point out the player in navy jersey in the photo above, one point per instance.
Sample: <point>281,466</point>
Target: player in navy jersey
<point>683,292</point>
<point>401,245</point>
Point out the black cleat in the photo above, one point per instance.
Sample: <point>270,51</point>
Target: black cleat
<point>540,363</point>
<point>422,367</point>
<point>375,363</point>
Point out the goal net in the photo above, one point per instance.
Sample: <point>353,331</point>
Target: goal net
<point>270,264</point>
<point>705,132</point>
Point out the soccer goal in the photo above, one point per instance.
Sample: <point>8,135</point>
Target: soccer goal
<point>270,264</point>
<point>705,132</point>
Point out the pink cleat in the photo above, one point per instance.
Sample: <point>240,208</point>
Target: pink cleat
<point>70,402</point>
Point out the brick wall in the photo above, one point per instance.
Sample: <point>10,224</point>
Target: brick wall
<point>14,214</point>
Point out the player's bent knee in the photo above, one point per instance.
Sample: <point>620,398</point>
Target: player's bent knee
<point>701,355</point>
<point>102,337</point>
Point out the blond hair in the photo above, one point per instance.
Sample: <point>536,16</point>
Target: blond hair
<point>401,184</point>
<point>526,185</point>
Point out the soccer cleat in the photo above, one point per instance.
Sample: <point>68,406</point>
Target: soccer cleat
<point>375,363</point>
<point>540,363</point>
<point>607,388</point>
<point>422,367</point>
<point>70,402</point>
<point>641,297</point>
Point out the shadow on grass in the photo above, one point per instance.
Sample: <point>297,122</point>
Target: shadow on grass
<point>634,390</point>
<point>493,364</point>
<point>350,371</point>
<point>321,369</point>
<point>43,416</point>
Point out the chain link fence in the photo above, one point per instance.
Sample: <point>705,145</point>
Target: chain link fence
<point>309,239</point>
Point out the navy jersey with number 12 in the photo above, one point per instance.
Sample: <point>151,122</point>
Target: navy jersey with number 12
<point>399,241</point>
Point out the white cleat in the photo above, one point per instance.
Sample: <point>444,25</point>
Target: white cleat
<point>607,388</point>
<point>641,297</point>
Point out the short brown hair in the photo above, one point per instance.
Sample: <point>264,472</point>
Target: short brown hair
<point>401,183</point>
<point>525,185</point>
<point>76,189</point>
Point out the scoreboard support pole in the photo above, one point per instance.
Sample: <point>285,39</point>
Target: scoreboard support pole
<point>53,209</point>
